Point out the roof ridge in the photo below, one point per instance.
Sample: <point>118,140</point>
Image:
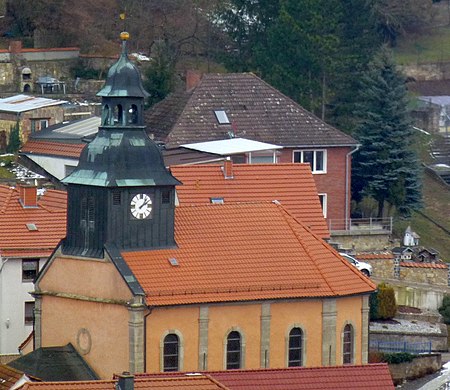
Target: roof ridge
<point>7,200</point>
<point>301,241</point>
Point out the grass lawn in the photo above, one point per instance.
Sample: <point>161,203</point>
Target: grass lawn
<point>5,174</point>
<point>434,46</point>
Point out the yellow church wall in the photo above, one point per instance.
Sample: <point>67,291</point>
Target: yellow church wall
<point>180,320</point>
<point>98,331</point>
<point>88,277</point>
<point>349,312</point>
<point>223,319</point>
<point>307,315</point>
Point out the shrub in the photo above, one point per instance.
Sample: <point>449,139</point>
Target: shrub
<point>373,305</point>
<point>14,139</point>
<point>387,306</point>
<point>444,310</point>
<point>397,357</point>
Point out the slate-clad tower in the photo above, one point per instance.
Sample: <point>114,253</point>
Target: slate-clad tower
<point>121,193</point>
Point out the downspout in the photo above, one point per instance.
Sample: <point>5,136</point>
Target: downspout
<point>145,337</point>
<point>347,182</point>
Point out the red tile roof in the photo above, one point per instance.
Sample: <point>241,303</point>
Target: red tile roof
<point>16,240</point>
<point>291,184</point>
<point>176,381</point>
<point>355,377</point>
<point>412,264</point>
<point>364,377</point>
<point>53,148</point>
<point>9,377</point>
<point>243,251</point>
<point>256,111</point>
<point>374,256</point>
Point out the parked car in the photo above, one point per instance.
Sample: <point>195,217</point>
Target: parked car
<point>365,268</point>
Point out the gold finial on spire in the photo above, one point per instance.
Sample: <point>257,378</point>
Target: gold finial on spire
<point>124,36</point>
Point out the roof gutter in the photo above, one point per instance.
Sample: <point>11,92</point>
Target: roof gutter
<point>347,182</point>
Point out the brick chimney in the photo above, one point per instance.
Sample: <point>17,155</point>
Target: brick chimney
<point>125,381</point>
<point>27,195</point>
<point>228,168</point>
<point>193,77</point>
<point>15,47</point>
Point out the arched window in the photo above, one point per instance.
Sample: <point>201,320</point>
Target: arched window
<point>133,114</point>
<point>295,348</point>
<point>105,115</point>
<point>347,344</point>
<point>171,352</point>
<point>234,351</point>
<point>118,115</point>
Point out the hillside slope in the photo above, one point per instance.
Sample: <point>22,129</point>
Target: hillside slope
<point>436,197</point>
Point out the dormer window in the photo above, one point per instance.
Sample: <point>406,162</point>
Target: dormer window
<point>222,117</point>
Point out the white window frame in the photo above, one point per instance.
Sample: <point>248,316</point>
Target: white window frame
<point>315,151</point>
<point>324,203</point>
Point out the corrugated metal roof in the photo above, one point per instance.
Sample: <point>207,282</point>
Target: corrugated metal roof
<point>231,146</point>
<point>439,100</point>
<point>81,128</point>
<point>22,103</point>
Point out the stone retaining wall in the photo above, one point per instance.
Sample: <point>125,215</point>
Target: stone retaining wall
<point>418,368</point>
<point>434,276</point>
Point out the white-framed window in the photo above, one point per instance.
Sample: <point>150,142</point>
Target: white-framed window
<point>38,124</point>
<point>264,157</point>
<point>323,198</point>
<point>317,159</point>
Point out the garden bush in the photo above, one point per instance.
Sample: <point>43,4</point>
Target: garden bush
<point>387,306</point>
<point>444,310</point>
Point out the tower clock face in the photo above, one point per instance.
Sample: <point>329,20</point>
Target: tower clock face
<point>141,206</point>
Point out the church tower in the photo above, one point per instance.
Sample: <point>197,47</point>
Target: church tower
<point>121,193</point>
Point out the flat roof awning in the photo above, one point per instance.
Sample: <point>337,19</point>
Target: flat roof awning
<point>231,146</point>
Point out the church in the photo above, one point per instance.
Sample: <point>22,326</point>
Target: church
<point>140,284</point>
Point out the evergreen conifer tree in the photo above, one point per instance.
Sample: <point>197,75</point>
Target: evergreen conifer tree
<point>386,166</point>
<point>14,139</point>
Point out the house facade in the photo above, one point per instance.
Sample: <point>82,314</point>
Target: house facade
<point>30,227</point>
<point>221,106</point>
<point>141,285</point>
<point>31,114</point>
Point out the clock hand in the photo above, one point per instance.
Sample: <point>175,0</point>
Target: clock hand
<point>144,204</point>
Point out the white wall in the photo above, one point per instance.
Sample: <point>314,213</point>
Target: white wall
<point>54,165</point>
<point>13,295</point>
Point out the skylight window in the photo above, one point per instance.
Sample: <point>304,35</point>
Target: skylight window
<point>31,227</point>
<point>222,117</point>
<point>173,262</point>
<point>216,200</point>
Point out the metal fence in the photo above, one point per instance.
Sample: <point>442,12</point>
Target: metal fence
<point>400,346</point>
<point>361,225</point>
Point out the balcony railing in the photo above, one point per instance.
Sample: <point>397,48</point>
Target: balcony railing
<point>361,225</point>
